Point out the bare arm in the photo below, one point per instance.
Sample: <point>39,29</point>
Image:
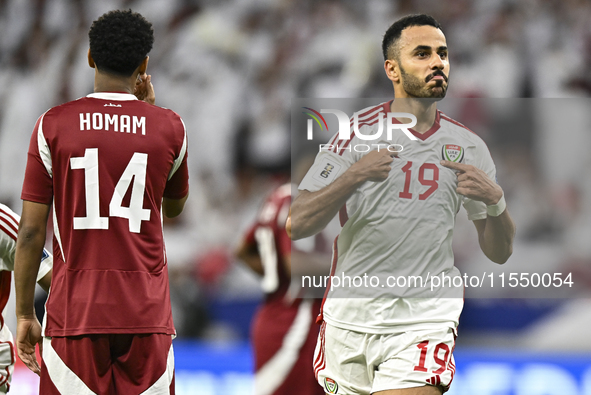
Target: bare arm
<point>29,249</point>
<point>249,254</point>
<point>173,207</point>
<point>495,234</point>
<point>312,211</point>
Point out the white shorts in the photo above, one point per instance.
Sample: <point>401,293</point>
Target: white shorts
<point>348,362</point>
<point>7,359</point>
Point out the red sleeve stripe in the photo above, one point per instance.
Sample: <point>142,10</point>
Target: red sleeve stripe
<point>369,114</point>
<point>334,139</point>
<point>9,219</point>
<point>8,226</point>
<point>448,119</point>
<point>342,148</point>
<point>9,232</point>
<point>378,107</point>
<point>362,117</point>
<point>369,124</point>
<point>367,120</point>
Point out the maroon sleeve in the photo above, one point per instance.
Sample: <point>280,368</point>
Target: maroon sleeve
<point>178,185</point>
<point>249,238</point>
<point>38,184</point>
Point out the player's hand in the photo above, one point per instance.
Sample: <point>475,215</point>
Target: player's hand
<point>144,90</point>
<point>375,166</point>
<point>474,183</point>
<point>28,334</point>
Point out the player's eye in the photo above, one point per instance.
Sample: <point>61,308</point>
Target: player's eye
<point>421,54</point>
<point>443,55</point>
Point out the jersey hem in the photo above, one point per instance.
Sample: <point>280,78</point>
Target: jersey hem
<point>35,198</point>
<point>397,328</point>
<point>103,331</point>
<point>176,196</point>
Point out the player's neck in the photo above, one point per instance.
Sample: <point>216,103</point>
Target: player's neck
<point>111,83</point>
<point>424,110</point>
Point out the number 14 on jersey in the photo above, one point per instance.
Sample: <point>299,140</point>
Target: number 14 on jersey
<point>135,170</point>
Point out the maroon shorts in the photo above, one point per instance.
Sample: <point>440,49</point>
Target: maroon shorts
<point>284,338</point>
<point>107,364</point>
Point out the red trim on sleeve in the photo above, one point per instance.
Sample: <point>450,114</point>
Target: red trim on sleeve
<point>343,216</point>
<point>360,118</point>
<point>448,119</point>
<point>8,233</point>
<point>6,224</point>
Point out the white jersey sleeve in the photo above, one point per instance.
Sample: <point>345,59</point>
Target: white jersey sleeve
<point>9,221</point>
<point>482,160</point>
<point>327,167</point>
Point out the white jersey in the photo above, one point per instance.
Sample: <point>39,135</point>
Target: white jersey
<point>9,221</point>
<point>400,229</point>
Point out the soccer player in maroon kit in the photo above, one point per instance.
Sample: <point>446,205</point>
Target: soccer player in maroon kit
<point>284,329</point>
<point>108,164</point>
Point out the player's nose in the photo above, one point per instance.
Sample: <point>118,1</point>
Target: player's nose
<point>437,62</point>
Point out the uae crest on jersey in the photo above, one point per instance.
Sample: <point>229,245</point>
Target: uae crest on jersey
<point>331,386</point>
<point>452,153</point>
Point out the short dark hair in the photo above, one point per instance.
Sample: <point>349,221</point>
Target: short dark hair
<point>395,31</point>
<point>120,41</point>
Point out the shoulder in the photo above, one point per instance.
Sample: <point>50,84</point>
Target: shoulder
<point>369,115</point>
<point>455,127</point>
<point>364,121</point>
<point>73,105</point>
<point>167,115</point>
<point>65,110</point>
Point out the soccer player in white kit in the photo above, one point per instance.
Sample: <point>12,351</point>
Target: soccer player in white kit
<point>9,222</point>
<point>398,211</point>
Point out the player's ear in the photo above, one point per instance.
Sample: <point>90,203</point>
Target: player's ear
<point>90,60</point>
<point>392,70</point>
<point>143,66</point>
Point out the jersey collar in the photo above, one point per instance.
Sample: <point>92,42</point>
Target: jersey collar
<point>112,96</point>
<point>422,136</point>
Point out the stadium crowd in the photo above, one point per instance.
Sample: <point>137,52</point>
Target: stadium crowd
<point>230,68</point>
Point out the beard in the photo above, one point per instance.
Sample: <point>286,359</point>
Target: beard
<point>415,87</point>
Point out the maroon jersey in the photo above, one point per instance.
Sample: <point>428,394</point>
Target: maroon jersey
<point>107,160</point>
<point>283,330</point>
<point>273,243</point>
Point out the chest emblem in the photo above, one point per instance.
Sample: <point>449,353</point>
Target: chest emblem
<point>452,153</point>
